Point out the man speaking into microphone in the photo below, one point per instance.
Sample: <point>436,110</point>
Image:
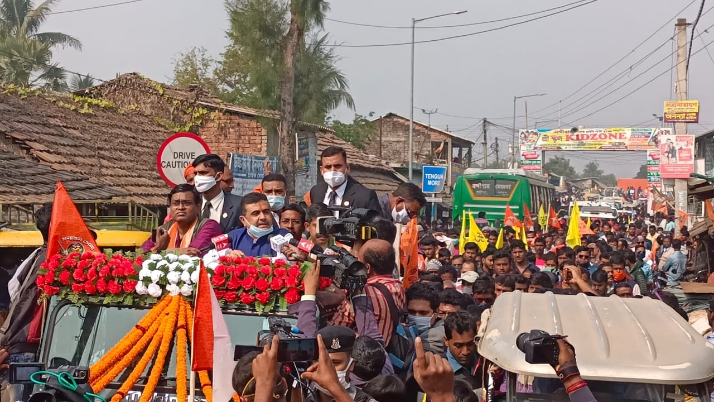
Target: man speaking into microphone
<point>253,240</point>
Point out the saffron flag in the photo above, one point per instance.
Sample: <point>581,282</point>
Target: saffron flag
<point>553,218</point>
<point>68,232</point>
<point>527,219</point>
<point>573,237</point>
<point>708,208</point>
<point>509,218</point>
<point>476,235</point>
<point>683,218</point>
<point>410,253</point>
<point>212,346</point>
<point>542,218</point>
<point>499,241</point>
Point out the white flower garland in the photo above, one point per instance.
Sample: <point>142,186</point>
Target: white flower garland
<point>175,274</point>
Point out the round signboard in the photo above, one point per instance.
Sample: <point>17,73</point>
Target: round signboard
<point>176,154</point>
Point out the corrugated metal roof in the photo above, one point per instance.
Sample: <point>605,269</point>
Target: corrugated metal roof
<point>615,339</point>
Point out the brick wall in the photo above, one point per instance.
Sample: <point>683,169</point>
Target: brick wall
<point>392,142</point>
<point>234,133</point>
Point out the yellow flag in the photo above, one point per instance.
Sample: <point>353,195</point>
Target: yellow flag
<point>476,235</point>
<point>542,217</point>
<point>499,241</point>
<point>573,237</point>
<point>524,238</point>
<point>589,223</point>
<point>462,236</point>
<point>629,220</point>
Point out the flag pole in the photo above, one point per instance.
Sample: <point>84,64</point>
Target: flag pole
<point>192,377</point>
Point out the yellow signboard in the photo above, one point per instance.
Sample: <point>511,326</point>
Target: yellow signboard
<point>681,111</point>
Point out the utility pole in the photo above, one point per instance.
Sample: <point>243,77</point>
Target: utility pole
<point>485,144</point>
<point>680,185</point>
<point>496,151</point>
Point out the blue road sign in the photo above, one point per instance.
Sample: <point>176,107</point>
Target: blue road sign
<point>433,179</point>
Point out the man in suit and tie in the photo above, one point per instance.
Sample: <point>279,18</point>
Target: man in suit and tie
<point>339,189</point>
<point>219,205</point>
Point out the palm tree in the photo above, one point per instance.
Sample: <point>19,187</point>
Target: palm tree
<point>80,82</point>
<point>26,53</point>
<point>304,14</point>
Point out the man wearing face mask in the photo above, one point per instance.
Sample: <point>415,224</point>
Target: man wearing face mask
<point>275,187</point>
<point>219,205</point>
<point>403,204</point>
<point>254,239</point>
<point>339,342</point>
<point>338,188</point>
<point>422,303</point>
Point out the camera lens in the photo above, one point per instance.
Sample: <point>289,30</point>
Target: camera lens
<point>521,340</point>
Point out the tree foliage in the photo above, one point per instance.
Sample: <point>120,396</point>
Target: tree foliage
<point>560,166</point>
<point>592,169</point>
<point>642,173</point>
<point>79,82</point>
<point>25,52</point>
<point>357,133</point>
<point>249,71</point>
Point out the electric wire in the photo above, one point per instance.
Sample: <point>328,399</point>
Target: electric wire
<point>464,35</point>
<point>95,7</point>
<point>453,26</point>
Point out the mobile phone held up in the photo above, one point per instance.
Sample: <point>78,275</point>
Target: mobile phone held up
<point>289,350</point>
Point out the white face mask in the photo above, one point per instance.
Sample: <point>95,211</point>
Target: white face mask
<point>204,183</point>
<point>277,202</point>
<point>334,178</point>
<point>400,216</point>
<point>341,376</point>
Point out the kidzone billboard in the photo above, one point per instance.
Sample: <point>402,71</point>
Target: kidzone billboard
<point>592,139</point>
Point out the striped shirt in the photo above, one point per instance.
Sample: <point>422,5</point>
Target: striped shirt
<point>346,317</point>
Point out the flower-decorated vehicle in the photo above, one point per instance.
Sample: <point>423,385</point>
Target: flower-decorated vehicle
<point>130,318</point>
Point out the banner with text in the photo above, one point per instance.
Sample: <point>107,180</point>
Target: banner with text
<point>591,139</point>
<point>249,170</point>
<point>653,175</point>
<point>681,111</point>
<point>677,156</point>
<point>532,161</point>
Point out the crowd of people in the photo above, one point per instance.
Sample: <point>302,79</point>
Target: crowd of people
<point>383,342</point>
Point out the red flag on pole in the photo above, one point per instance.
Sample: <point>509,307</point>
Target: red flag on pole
<point>509,218</point>
<point>553,218</point>
<point>527,218</point>
<point>68,232</point>
<point>410,253</point>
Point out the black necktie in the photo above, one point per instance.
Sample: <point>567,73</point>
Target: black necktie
<point>333,199</point>
<point>206,214</point>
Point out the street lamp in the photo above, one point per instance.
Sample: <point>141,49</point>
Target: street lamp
<point>513,135</point>
<point>411,106</point>
<point>660,118</point>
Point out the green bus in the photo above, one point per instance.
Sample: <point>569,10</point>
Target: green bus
<point>490,190</point>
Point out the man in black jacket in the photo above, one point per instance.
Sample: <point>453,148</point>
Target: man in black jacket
<point>338,188</point>
<point>219,205</point>
<point>21,332</point>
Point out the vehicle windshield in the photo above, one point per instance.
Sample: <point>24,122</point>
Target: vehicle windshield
<point>81,335</point>
<point>604,391</point>
<point>595,210</point>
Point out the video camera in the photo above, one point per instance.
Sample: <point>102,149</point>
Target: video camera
<point>539,346</point>
<point>345,270</point>
<point>291,348</point>
<point>352,225</point>
<point>54,390</point>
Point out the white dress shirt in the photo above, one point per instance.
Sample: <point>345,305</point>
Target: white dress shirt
<point>216,207</point>
<point>338,200</point>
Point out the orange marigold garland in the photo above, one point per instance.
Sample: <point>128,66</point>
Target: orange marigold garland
<point>117,353</point>
<point>101,382</point>
<point>145,359</point>
<point>206,385</point>
<point>181,347</point>
<point>155,375</point>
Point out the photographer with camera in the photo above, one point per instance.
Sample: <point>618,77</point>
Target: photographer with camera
<point>538,347</point>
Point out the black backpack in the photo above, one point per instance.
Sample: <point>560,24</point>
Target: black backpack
<point>401,346</point>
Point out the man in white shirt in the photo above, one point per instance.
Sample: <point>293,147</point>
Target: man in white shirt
<point>221,206</point>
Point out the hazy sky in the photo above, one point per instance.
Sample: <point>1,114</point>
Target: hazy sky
<point>473,77</point>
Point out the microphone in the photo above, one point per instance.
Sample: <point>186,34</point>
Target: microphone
<point>277,242</point>
<point>218,243</point>
<point>306,246</point>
